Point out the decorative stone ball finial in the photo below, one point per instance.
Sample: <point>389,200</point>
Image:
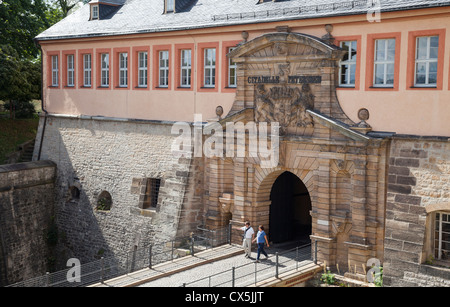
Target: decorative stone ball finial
<point>362,126</point>
<point>244,35</point>
<point>219,111</point>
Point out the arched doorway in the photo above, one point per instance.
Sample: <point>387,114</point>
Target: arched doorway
<point>290,218</point>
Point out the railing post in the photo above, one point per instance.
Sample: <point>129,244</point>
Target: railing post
<point>150,257</point>
<point>233,276</point>
<point>315,251</point>
<point>47,279</point>
<point>276,265</point>
<point>256,270</point>
<point>192,246</point>
<point>102,273</point>
<point>229,233</point>
<point>171,253</point>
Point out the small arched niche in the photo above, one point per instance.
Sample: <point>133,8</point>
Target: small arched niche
<point>104,201</point>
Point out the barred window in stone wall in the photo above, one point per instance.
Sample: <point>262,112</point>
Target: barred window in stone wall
<point>151,193</point>
<point>442,236</point>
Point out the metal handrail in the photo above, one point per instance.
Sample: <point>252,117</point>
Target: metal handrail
<point>231,273</point>
<point>127,262</point>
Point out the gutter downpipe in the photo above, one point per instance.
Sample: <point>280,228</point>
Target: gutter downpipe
<point>42,101</point>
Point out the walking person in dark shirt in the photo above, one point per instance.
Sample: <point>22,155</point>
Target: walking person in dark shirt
<point>260,239</point>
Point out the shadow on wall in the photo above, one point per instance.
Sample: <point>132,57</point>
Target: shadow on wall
<point>98,161</point>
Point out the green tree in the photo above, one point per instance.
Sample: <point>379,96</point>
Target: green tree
<point>64,6</point>
<point>20,81</point>
<point>20,68</point>
<point>20,22</point>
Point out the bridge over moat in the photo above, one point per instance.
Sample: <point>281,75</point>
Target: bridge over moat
<point>226,266</point>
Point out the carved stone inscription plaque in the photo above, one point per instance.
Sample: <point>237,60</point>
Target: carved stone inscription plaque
<point>284,104</point>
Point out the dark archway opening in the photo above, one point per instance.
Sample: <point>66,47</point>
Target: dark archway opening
<point>290,218</point>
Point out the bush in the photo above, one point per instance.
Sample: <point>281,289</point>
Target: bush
<point>21,109</point>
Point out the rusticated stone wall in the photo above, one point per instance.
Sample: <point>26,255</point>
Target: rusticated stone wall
<point>95,155</point>
<point>26,209</point>
<point>418,186</point>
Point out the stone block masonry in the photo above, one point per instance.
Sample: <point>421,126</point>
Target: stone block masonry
<point>95,155</point>
<point>418,187</point>
<point>26,210</point>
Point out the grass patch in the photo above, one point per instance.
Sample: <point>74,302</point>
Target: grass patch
<point>14,133</point>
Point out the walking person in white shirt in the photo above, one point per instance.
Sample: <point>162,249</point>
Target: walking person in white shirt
<point>249,235</point>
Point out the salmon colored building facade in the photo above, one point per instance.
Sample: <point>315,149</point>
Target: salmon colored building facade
<point>366,156</point>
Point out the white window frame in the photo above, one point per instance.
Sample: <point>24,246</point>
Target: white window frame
<point>209,70</point>
<point>143,69</point>
<point>232,67</point>
<point>170,6</point>
<point>163,73</point>
<point>95,12</point>
<point>185,70</point>
<point>104,58</point>
<point>384,62</point>
<point>55,70</point>
<point>70,70</point>
<point>441,218</point>
<point>123,69</point>
<point>350,62</point>
<point>87,70</point>
<point>427,61</point>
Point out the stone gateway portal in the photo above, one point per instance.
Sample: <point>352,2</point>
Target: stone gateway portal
<point>328,186</point>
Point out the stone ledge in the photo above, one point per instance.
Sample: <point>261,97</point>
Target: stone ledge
<point>26,166</point>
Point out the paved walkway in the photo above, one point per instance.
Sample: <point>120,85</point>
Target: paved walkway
<point>172,267</point>
<point>214,268</point>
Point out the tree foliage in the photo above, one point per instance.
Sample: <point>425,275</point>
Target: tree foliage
<point>20,22</point>
<point>20,65</point>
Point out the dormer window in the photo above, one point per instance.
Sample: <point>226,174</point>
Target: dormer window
<point>94,12</point>
<point>104,9</point>
<point>170,6</point>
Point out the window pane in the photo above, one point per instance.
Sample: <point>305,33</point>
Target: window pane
<point>420,79</point>
<point>344,74</point>
<point>434,41</point>
<point>391,50</point>
<point>422,43</point>
<point>433,67</point>
<point>434,52</point>
<point>432,78</point>
<point>345,46</point>
<point>380,50</point>
<point>352,74</point>
<point>353,49</point>
<point>421,68</point>
<point>379,74</point>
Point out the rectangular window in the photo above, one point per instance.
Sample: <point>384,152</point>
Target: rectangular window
<point>210,68</point>
<point>87,70</point>
<point>142,69</point>
<point>170,5</point>
<point>442,236</point>
<point>55,72</point>
<point>384,64</point>
<point>151,193</point>
<point>104,69</point>
<point>70,70</point>
<point>95,12</point>
<point>348,64</point>
<point>426,64</point>
<point>123,69</point>
<point>186,68</point>
<point>231,71</point>
<point>163,68</point>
